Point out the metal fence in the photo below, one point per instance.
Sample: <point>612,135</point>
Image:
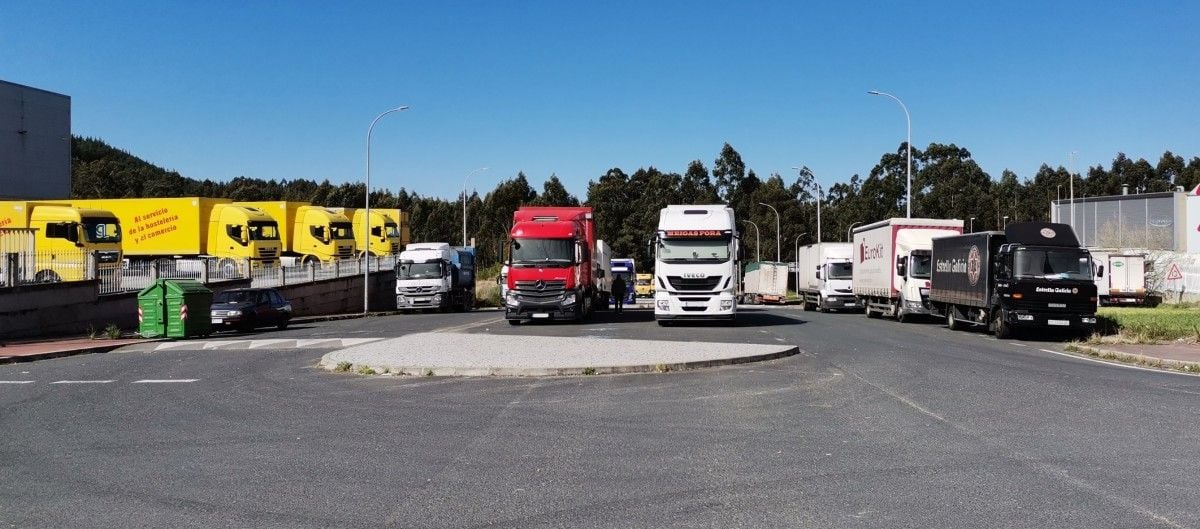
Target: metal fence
<point>30,267</point>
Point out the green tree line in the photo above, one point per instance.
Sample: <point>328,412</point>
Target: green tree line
<point>947,183</point>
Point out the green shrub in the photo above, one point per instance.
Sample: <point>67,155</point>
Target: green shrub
<point>112,331</point>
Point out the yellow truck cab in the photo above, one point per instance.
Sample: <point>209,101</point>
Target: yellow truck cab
<point>190,227</point>
<point>385,231</point>
<point>63,236</point>
<point>403,224</point>
<point>309,233</point>
<point>644,288</point>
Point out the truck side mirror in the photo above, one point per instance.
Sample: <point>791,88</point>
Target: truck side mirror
<point>1100,271</point>
<point>818,275</point>
<point>901,268</point>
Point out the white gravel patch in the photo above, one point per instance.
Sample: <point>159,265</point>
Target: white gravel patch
<point>449,354</point>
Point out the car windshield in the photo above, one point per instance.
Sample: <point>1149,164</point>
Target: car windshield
<point>392,230</point>
<point>840,270</point>
<point>264,231</point>
<point>431,270</point>
<point>1053,264</point>
<point>540,252</point>
<point>102,230</point>
<point>922,266</point>
<point>236,296</point>
<point>341,230</point>
<point>695,250</point>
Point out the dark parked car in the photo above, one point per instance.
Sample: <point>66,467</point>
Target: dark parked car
<point>247,308</point>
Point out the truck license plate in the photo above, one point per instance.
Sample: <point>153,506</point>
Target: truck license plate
<point>539,315</point>
<point>1061,323</point>
<point>218,321</point>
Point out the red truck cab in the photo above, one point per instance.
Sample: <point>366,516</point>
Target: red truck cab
<point>552,264</point>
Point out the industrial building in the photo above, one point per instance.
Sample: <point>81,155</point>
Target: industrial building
<point>1149,221</point>
<point>35,143</point>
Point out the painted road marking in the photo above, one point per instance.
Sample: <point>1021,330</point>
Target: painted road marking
<point>16,381</point>
<point>83,382</point>
<point>164,380</point>
<point>1020,345</point>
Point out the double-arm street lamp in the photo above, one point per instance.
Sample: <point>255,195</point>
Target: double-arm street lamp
<point>481,169</point>
<point>818,184</point>
<point>367,207</point>
<point>777,257</point>
<point>908,121</point>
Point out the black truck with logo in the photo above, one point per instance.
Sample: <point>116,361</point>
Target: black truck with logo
<point>1031,275</point>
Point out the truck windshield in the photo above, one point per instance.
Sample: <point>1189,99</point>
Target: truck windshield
<point>840,270</point>
<point>419,270</point>
<point>1053,264</point>
<point>922,266</point>
<point>101,230</point>
<point>694,250</point>
<point>392,230</point>
<point>534,252</point>
<point>341,230</point>
<point>264,231</point>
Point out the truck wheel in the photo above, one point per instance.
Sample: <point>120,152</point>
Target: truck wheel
<point>1001,327</point>
<point>47,276</point>
<point>820,304</point>
<point>664,323</point>
<point>952,323</point>
<point>901,315</point>
<point>870,313</point>
<point>803,302</point>
<point>309,260</point>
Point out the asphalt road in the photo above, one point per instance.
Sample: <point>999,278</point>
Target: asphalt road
<point>875,424</point>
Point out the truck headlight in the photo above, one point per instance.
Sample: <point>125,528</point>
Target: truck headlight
<point>401,299</point>
<point>914,304</point>
<point>727,304</point>
<point>1088,319</point>
<point>437,298</point>
<point>568,298</point>
<point>1025,317</point>
<point>663,304</point>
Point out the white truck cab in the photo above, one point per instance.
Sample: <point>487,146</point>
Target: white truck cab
<point>696,264</point>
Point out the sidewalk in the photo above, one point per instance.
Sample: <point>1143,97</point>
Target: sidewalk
<point>28,351</point>
<point>1175,353</point>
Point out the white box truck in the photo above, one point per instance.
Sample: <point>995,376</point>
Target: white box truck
<point>696,263</point>
<point>765,282</point>
<point>435,276</point>
<point>1125,280</point>
<point>893,265</point>
<point>823,277</point>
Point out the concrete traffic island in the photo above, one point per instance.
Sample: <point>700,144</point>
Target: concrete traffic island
<point>448,354</point>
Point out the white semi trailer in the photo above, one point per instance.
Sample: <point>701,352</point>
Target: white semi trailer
<point>695,264</point>
<point>893,265</point>
<point>823,277</point>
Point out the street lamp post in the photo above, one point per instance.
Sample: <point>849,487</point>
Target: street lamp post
<point>819,193</point>
<point>777,256</point>
<point>798,260</point>
<point>908,121</point>
<point>851,228</point>
<point>1071,175</point>
<point>367,207</point>
<point>757,241</point>
<point>972,229</point>
<point>1006,221</point>
<point>465,201</point>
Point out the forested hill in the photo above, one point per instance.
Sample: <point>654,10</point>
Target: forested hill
<point>947,183</point>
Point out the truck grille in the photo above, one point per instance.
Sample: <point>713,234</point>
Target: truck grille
<point>707,284</point>
<point>395,247</point>
<point>107,257</point>
<point>1044,306</point>
<point>429,289</point>
<point>345,252</point>
<point>540,290</point>
<point>268,253</point>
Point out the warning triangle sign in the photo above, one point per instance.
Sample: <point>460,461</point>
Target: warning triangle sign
<point>1174,273</point>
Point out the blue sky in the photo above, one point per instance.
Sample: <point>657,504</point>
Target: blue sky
<point>286,89</point>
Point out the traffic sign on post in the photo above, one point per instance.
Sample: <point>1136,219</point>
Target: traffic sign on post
<point>1174,274</point>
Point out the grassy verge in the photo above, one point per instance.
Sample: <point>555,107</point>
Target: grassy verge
<point>1148,325</point>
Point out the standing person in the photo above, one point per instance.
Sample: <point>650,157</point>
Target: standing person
<point>618,292</point>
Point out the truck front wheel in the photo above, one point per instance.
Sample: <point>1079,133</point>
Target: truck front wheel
<point>1000,325</point>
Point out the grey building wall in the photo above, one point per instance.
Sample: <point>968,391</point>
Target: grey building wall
<point>1150,221</point>
<point>35,143</point>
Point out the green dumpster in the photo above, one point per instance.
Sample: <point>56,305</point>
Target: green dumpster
<point>152,315</point>
<point>174,308</point>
